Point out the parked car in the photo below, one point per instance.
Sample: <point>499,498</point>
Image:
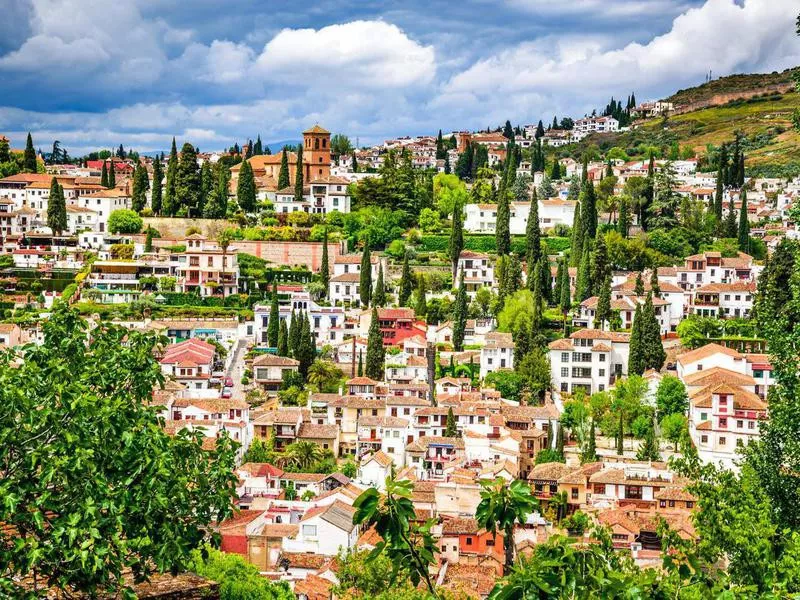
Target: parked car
<point>227,392</point>
<point>228,382</point>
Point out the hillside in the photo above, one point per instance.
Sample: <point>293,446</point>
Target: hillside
<point>732,85</point>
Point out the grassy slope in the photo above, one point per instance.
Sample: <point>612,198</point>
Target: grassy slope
<point>729,85</point>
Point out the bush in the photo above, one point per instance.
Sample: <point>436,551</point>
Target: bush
<point>124,221</point>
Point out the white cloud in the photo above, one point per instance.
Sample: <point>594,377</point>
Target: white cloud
<point>369,54</point>
<point>721,35</point>
<point>603,9</point>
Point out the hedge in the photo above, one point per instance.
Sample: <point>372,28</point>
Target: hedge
<point>488,243</point>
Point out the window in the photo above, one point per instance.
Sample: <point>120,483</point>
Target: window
<point>469,541</point>
<point>751,424</point>
<point>602,372</point>
<point>689,504</point>
<point>565,357</point>
<point>490,543</point>
<point>672,503</point>
<point>565,371</point>
<point>722,441</point>
<point>564,387</point>
<point>309,530</point>
<point>662,503</point>
<point>703,439</point>
<point>574,493</point>
<point>210,261</point>
<point>739,423</point>
<point>723,421</point>
<point>602,358</point>
<point>704,416</point>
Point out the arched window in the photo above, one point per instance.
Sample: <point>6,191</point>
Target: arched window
<point>316,143</point>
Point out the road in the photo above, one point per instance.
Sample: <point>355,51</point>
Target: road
<point>236,368</point>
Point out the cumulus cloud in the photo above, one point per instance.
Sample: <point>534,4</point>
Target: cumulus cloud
<point>360,53</point>
<point>722,36</point>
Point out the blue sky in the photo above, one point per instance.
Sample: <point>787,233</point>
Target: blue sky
<point>96,74</point>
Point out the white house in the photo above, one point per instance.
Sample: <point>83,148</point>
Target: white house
<point>478,271</point>
<point>590,360</point>
<point>324,320</point>
<point>325,530</point>
<point>482,218</point>
<point>497,354</point>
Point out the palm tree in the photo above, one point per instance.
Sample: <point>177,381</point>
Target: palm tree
<point>501,507</point>
<point>559,503</point>
<point>323,372</point>
<point>303,454</point>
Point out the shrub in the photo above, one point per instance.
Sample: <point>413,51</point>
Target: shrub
<point>124,221</point>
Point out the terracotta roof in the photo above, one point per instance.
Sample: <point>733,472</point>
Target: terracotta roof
<point>742,399</point>
<point>597,334</point>
<point>261,469</point>
<point>706,351</point>
<point>313,587</point>
<point>581,475</point>
<point>552,471</point>
<point>736,286</point>
<point>279,530</point>
<point>239,521</point>
<point>304,560</point>
<point>380,457</point>
<point>316,129</point>
<point>271,360</point>
<point>314,431</point>
<point>496,339</point>
<point>717,375</point>
<point>361,381</point>
<point>675,493</point>
<point>421,444</point>
<point>304,477</point>
<point>458,526</point>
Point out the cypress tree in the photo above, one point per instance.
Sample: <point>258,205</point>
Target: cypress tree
<point>513,275</point>
<point>600,267</point>
<point>283,339</point>
<point>655,287</point>
<point>324,268</point>
<point>522,341</point>
<point>456,244</point>
<point>283,174</point>
<point>365,281</point>
<point>56,208</point>
<point>649,450</point>
<point>206,187</point>
<point>307,346</point>
<point>421,307</point>
<point>644,207</point>
<point>258,147</point>
<point>585,170</point>
<point>584,283</point>
<point>188,183</point>
<point>450,429</point>
<point>589,208</point>
<point>217,206</point>
<point>148,241</point>
<point>560,441</point>
<point>29,157</point>
<point>298,175</point>
<point>273,326</point>
<point>653,348</point>
<point>246,188</point>
<point>718,196</point>
<point>170,206</point>
<point>533,237</point>
<point>603,311</point>
<point>156,195</point>
<point>406,284</point>
<point>621,435</point>
<point>375,355</point>
<point>638,288</point>
<point>731,227</point>
<point>379,297</point>
<point>636,359</point>
<point>112,177</point>
<point>138,194</point>
<point>560,279</point>
<point>555,172</point>
<point>460,314</point>
<point>576,247</point>
<point>536,314</point>
<point>447,168</point>
<point>294,335</point>
<point>104,176</point>
<point>624,222</point>
<point>503,233</point>
<point>360,369</point>
<point>547,281</point>
<point>744,225</point>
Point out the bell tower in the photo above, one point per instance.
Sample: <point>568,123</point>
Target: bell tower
<point>316,153</point>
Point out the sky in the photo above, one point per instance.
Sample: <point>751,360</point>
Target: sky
<point>94,74</point>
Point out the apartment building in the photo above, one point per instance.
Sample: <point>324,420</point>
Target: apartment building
<point>590,360</point>
<point>497,353</point>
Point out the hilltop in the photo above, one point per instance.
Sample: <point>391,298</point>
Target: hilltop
<point>725,89</point>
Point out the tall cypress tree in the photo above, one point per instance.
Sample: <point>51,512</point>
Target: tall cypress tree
<point>460,314</point>
<point>273,326</point>
<point>406,283</point>
<point>360,370</point>
<point>624,222</point>
<point>104,176</point>
<point>576,247</point>
<point>324,268</point>
<point>502,232</point>
<point>653,349</point>
<point>547,281</point>
<point>139,193</point>
<point>148,241</point>
<point>718,196</point>
<point>533,237</point>
<point>298,175</point>
<point>294,335</point>
<point>450,429</point>
<point>246,188</point>
<point>589,210</point>
<point>536,313</point>
<point>283,339</point>
<point>603,312</point>
<point>560,281</point>
<point>600,267</point>
<point>744,225</point>
<point>655,287</point>
<point>379,297</point>
<point>731,227</point>
<point>585,170</point>
<point>621,435</point>
<point>170,205</point>
<point>638,287</point>
<point>375,353</point>
<point>56,208</point>
<point>283,174</point>
<point>29,157</point>
<point>365,281</point>
<point>206,187</point>
<point>636,359</point>
<point>306,347</point>
<point>456,243</point>
<point>589,453</point>
<point>584,281</point>
<point>156,195</point>
<point>112,176</point>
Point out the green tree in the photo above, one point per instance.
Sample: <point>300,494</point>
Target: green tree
<point>206,186</point>
<point>406,283</point>
<point>298,175</point>
<point>502,506</point>
<point>624,222</point>
<point>324,268</point>
<point>217,205</point>
<point>409,546</point>
<point>744,225</point>
<point>29,156</point>
<point>283,174</point>
<point>576,244</point>
<point>375,351</point>
<point>274,323</point>
<point>450,429</point>
<point>156,196</point>
<point>533,237</point>
<point>718,195</point>
<point>238,579</point>
<point>124,221</point>
<point>456,244</point>
<point>57,208</point>
<point>583,285</point>
<point>246,188</point>
<point>141,184</point>
<point>365,278</point>
<point>603,311</point>
<point>654,354</point>
<point>649,448</point>
<point>674,427</point>
<point>283,339</point>
<point>112,176</point>
<point>589,210</point>
<point>638,287</point>
<point>171,203</point>
<point>671,396</point>
<point>502,232</point>
<point>293,339</point>
<point>589,450</point>
<point>534,368</point>
<point>636,358</point>
<point>148,240</point>
<point>421,307</point>
<point>93,468</point>
<point>538,301</point>
<point>302,454</point>
<point>460,314</point>
<point>379,297</point>
<point>564,298</point>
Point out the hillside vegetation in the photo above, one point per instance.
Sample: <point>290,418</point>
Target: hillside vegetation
<point>732,84</point>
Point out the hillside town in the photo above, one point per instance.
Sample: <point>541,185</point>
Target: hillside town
<point>438,318</point>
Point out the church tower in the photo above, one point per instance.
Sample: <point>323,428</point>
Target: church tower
<point>316,153</point>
